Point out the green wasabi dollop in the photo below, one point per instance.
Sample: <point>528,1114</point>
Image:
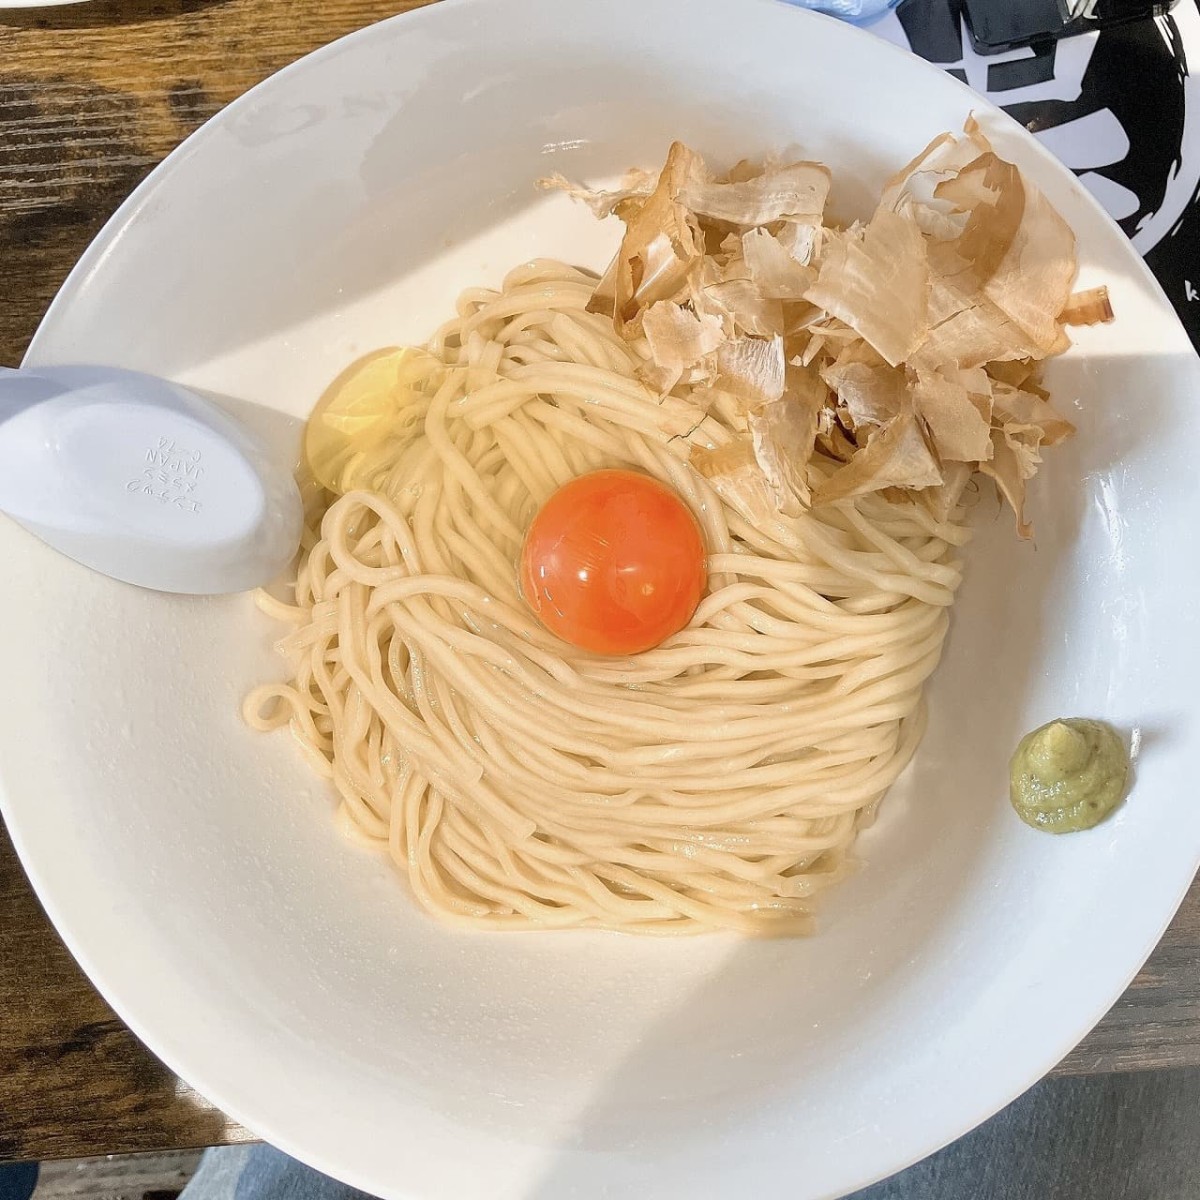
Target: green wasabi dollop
<point>1068,775</point>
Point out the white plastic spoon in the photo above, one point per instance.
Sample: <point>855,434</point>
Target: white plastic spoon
<point>143,480</point>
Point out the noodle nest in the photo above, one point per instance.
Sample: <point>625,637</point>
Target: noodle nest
<point>715,782</point>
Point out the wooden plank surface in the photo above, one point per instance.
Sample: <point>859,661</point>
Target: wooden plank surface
<point>91,97</point>
<point>73,1080</point>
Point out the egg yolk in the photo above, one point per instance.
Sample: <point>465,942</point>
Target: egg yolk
<point>613,562</point>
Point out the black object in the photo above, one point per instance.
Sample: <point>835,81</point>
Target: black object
<point>17,1180</point>
<point>1132,83</point>
<point>997,25</point>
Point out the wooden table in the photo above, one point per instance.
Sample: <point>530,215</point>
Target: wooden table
<point>92,97</point>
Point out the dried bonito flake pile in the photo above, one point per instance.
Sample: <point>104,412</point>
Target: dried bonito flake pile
<point>899,353</point>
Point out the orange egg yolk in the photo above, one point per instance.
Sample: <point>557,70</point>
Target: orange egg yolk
<point>614,563</point>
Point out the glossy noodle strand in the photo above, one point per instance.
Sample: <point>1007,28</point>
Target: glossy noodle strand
<point>714,782</point>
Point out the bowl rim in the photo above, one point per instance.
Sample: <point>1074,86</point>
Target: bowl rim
<point>179,1056</point>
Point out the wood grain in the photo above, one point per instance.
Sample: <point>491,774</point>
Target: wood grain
<point>73,1080</point>
<point>91,98</point>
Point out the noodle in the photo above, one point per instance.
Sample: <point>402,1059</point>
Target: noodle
<point>714,782</point>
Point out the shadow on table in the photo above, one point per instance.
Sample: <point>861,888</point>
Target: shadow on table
<point>74,1081</point>
<point>102,12</point>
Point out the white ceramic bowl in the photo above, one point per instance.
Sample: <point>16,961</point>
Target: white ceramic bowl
<point>193,867</point>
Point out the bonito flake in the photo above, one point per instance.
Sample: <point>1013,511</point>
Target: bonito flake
<point>899,354</point>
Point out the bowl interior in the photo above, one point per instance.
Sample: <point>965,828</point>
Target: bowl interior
<point>194,867</point>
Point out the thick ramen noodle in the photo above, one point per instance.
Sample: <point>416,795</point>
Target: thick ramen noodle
<point>714,781</point>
